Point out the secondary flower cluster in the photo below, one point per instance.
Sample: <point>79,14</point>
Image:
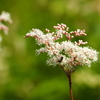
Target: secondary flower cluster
<point>66,54</point>
<point>4,17</point>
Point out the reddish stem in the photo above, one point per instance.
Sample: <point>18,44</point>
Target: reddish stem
<point>70,82</point>
<point>70,86</point>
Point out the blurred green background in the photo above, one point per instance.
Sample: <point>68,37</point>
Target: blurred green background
<point>25,76</point>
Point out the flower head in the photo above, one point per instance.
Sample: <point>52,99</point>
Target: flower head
<point>66,53</point>
<point>4,17</point>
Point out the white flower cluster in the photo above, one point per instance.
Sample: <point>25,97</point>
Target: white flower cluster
<point>66,54</point>
<point>6,18</point>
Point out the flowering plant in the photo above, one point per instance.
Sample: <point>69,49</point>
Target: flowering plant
<point>4,17</point>
<point>68,55</point>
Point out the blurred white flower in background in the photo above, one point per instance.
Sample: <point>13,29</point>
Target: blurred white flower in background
<point>4,17</point>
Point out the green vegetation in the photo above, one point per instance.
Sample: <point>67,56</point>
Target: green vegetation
<point>23,74</point>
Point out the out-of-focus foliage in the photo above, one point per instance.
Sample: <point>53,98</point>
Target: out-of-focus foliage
<point>25,76</point>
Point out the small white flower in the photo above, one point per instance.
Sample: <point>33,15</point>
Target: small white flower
<point>59,33</point>
<point>5,17</point>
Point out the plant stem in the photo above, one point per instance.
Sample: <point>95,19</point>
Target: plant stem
<point>70,82</point>
<point>70,86</point>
